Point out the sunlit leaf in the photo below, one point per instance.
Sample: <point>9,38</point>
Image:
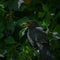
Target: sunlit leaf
<point>22,32</point>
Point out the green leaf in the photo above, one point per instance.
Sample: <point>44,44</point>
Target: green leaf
<point>11,26</point>
<point>1,5</point>
<point>22,32</point>
<point>45,7</point>
<point>41,14</point>
<point>1,26</point>
<point>9,40</point>
<point>23,20</point>
<point>23,7</point>
<point>44,24</point>
<point>12,4</point>
<point>57,28</point>
<point>1,35</point>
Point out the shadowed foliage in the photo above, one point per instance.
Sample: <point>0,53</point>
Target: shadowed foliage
<point>14,43</point>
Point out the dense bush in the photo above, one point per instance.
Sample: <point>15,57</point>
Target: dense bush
<point>14,44</point>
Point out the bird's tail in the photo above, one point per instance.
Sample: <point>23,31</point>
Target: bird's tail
<point>45,53</point>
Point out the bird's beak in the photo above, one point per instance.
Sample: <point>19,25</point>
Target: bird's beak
<point>26,24</point>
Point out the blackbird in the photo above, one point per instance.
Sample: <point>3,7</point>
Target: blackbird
<point>37,36</point>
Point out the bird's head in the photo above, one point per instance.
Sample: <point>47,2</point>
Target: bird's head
<point>30,23</point>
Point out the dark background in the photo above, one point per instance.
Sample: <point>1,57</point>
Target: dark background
<point>15,45</point>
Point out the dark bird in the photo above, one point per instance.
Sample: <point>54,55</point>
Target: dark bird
<point>37,36</point>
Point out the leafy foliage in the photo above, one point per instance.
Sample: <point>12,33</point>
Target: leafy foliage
<point>13,40</point>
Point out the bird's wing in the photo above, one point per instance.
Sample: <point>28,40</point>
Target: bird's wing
<point>37,35</point>
<point>41,36</point>
<point>39,28</point>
